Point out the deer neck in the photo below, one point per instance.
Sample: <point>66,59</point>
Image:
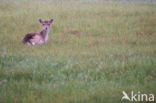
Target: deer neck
<point>44,34</point>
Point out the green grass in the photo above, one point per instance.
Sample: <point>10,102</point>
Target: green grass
<point>95,50</point>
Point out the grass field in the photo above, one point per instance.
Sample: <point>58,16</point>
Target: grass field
<point>95,50</point>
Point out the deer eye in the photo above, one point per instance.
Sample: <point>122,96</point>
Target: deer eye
<point>43,24</point>
<point>48,24</point>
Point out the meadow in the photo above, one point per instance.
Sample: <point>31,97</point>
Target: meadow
<point>95,50</point>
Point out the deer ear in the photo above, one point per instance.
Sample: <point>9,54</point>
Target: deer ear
<point>40,21</point>
<point>51,21</point>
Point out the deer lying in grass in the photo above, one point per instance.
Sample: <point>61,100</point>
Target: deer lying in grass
<point>38,37</point>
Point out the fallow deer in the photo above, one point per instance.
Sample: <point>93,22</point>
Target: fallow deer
<point>38,37</point>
